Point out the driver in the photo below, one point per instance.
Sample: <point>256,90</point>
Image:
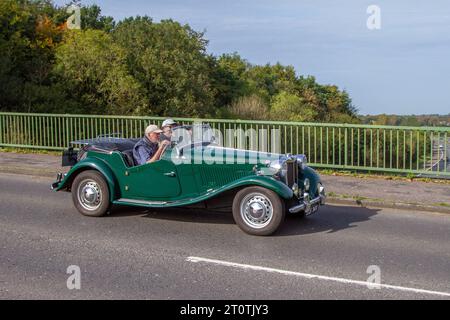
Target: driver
<point>149,149</point>
<point>167,127</point>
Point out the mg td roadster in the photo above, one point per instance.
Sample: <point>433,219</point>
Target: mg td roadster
<point>259,187</point>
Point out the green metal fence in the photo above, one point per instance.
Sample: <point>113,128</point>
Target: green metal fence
<point>415,150</point>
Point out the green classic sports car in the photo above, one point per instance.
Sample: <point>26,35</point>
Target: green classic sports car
<point>260,187</point>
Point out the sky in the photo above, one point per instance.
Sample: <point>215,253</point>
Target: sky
<point>401,68</point>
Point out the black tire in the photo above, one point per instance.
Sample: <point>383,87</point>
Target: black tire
<point>263,199</point>
<point>91,185</point>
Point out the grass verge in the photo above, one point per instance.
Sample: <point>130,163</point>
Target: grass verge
<point>384,176</point>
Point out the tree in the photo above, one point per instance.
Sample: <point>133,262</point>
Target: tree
<point>250,107</point>
<point>227,76</point>
<point>330,103</point>
<point>91,18</point>
<point>290,107</point>
<point>28,36</point>
<point>291,98</point>
<point>269,80</point>
<point>170,62</point>
<point>147,68</point>
<point>93,70</point>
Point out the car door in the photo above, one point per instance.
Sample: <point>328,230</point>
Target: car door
<point>152,181</point>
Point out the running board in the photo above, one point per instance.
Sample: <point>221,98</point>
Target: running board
<point>140,202</point>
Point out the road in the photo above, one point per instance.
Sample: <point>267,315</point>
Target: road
<point>191,254</point>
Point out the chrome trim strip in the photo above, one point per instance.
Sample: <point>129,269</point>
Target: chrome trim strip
<point>297,208</point>
<point>142,202</point>
<point>315,200</point>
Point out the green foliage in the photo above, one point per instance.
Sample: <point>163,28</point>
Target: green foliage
<point>93,70</point>
<point>27,40</point>
<point>289,97</point>
<point>227,75</point>
<point>93,19</point>
<point>429,120</point>
<point>267,81</point>
<point>170,62</point>
<point>249,107</point>
<point>291,107</point>
<point>138,66</point>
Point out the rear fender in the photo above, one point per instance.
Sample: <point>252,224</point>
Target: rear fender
<point>91,164</point>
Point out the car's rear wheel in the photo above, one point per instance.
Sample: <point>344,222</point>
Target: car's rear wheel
<point>90,193</point>
<point>258,211</point>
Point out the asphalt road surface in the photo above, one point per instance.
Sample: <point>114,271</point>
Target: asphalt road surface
<point>192,254</point>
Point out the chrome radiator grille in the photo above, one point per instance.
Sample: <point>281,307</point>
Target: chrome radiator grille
<point>291,172</point>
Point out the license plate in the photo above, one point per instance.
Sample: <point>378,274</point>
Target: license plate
<point>314,209</point>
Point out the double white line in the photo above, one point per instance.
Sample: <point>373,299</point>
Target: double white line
<point>315,276</point>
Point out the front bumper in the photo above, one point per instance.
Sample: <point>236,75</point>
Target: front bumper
<point>59,178</point>
<point>309,206</point>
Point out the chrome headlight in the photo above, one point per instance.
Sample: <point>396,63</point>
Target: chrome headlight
<point>306,185</point>
<point>278,167</point>
<point>296,190</point>
<point>321,189</point>
<point>276,164</point>
<point>302,161</point>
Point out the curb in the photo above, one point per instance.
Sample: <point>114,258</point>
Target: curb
<point>390,205</point>
<point>49,173</point>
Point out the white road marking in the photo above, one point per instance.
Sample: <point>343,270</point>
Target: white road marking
<point>314,276</point>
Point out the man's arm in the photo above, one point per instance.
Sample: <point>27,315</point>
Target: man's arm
<point>160,150</point>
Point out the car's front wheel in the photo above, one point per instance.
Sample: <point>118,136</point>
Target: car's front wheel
<point>258,211</point>
<point>90,193</point>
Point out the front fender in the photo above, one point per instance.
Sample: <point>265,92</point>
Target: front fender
<point>314,179</point>
<point>90,164</point>
<point>262,181</point>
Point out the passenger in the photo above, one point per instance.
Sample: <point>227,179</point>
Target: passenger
<point>167,127</point>
<point>149,149</point>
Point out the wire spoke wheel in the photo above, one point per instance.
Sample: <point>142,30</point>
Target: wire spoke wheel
<point>256,210</point>
<point>89,195</point>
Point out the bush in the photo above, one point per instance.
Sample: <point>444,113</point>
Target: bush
<point>250,107</point>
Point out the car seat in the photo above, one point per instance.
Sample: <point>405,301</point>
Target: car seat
<point>129,158</point>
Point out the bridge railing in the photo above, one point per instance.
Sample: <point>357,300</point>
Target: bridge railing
<point>396,149</point>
